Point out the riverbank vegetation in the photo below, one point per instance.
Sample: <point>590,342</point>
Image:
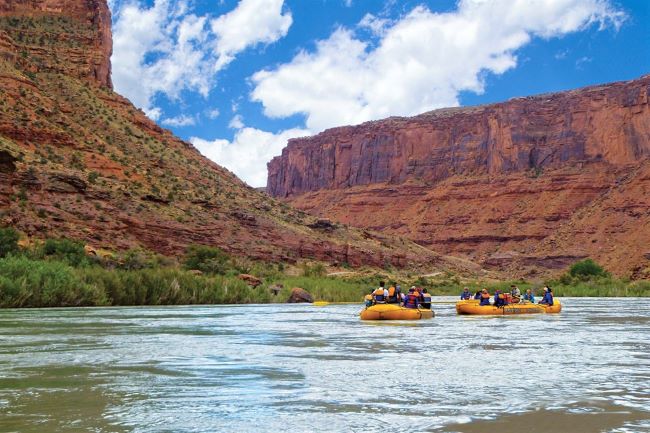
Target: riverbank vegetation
<point>60,272</point>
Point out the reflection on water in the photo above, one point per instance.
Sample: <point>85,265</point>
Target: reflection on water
<point>303,368</point>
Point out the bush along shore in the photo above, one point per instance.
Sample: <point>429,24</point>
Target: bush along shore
<point>61,273</point>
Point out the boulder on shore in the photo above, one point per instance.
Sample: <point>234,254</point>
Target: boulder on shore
<point>299,295</point>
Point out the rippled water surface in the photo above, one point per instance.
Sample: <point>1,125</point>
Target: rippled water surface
<point>320,369</point>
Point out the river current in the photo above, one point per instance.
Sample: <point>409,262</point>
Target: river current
<point>301,368</point>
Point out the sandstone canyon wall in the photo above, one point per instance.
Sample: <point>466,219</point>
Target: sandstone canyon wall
<point>68,36</point>
<point>78,160</point>
<point>528,186</point>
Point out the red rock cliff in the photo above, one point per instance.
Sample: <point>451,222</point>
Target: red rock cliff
<point>609,123</point>
<point>84,49</point>
<point>527,186</point>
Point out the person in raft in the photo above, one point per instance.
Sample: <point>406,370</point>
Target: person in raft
<point>515,293</point>
<point>426,299</point>
<point>548,296</point>
<point>393,295</point>
<point>477,295</point>
<point>380,295</point>
<point>412,299</point>
<point>499,299</point>
<point>529,297</point>
<point>465,295</point>
<point>485,297</point>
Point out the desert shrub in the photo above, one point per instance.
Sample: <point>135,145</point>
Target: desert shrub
<point>586,269</point>
<point>8,241</point>
<point>315,270</point>
<point>66,250</point>
<point>210,260</point>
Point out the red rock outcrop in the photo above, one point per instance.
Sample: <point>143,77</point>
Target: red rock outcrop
<point>77,160</point>
<point>76,40</point>
<point>528,185</point>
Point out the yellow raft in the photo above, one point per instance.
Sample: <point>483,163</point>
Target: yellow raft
<point>395,312</point>
<point>472,307</point>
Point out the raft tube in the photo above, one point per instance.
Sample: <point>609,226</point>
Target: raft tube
<point>395,312</point>
<point>472,307</point>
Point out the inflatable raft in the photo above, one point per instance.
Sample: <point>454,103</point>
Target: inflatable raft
<point>472,307</point>
<point>395,312</point>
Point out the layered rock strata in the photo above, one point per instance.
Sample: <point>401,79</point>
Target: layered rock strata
<point>529,185</point>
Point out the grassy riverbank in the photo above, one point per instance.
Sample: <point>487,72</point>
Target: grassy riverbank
<point>60,273</point>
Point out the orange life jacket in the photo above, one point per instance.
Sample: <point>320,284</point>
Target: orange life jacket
<point>391,291</point>
<point>485,295</point>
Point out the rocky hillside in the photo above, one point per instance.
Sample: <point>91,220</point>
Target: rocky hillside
<point>78,160</point>
<point>527,186</point>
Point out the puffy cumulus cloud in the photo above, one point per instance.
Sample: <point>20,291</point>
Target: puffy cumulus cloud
<point>166,49</point>
<point>421,61</point>
<point>182,120</point>
<point>247,154</point>
<point>252,22</point>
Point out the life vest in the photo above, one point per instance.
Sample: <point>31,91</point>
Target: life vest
<point>411,300</point>
<point>392,295</point>
<point>379,295</point>
<point>485,299</point>
<point>465,295</point>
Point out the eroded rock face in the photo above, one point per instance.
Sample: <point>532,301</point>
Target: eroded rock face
<point>527,186</point>
<point>609,123</point>
<point>78,160</point>
<point>84,49</point>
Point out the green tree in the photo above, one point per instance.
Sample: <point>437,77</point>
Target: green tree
<point>210,260</point>
<point>586,269</point>
<point>8,241</point>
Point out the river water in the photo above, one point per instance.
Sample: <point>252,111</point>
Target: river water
<point>301,368</point>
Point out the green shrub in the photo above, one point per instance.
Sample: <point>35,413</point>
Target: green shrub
<point>586,269</point>
<point>315,270</point>
<point>8,241</point>
<point>210,260</point>
<point>66,250</point>
<point>37,283</point>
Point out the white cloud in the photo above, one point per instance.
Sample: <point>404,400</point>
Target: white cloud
<point>166,49</point>
<point>213,113</point>
<point>182,120</point>
<point>247,154</point>
<point>237,122</point>
<point>375,24</point>
<point>422,62</point>
<point>251,23</point>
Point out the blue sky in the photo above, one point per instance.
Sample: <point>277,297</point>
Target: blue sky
<point>240,77</point>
